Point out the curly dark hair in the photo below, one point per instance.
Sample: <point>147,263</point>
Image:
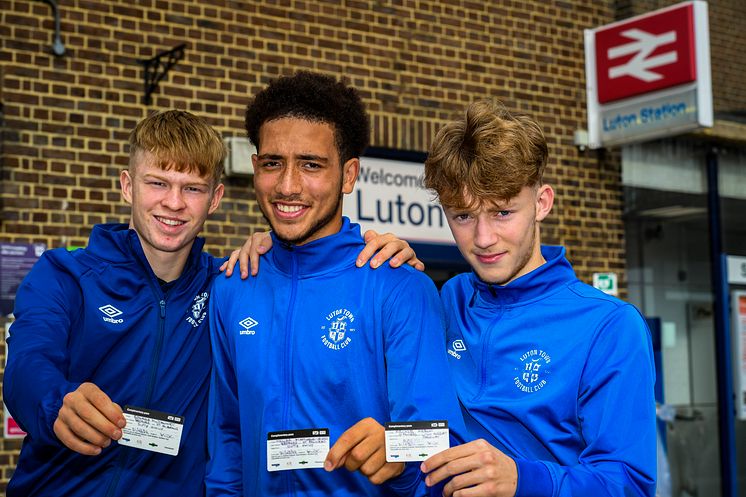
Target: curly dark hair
<point>316,98</point>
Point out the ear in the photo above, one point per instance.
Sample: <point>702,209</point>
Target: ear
<point>125,181</point>
<point>217,196</point>
<point>350,170</point>
<point>544,201</point>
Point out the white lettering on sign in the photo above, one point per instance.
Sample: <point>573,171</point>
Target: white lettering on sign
<point>639,66</point>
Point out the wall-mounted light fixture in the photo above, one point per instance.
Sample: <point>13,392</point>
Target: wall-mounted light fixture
<point>57,47</point>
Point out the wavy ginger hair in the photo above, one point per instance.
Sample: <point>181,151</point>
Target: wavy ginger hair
<point>486,156</point>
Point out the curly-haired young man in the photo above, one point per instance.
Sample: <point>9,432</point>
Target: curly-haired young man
<point>313,341</point>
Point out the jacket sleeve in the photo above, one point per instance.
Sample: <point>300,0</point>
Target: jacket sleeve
<point>419,384</point>
<point>35,376</point>
<point>616,408</point>
<point>224,468</point>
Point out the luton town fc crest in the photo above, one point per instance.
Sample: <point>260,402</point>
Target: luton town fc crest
<point>337,329</point>
<point>533,372</point>
<point>199,309</point>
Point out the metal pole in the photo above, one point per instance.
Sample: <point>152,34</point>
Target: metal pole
<point>718,269</point>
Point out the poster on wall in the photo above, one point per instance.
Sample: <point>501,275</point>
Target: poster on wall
<point>15,261</point>
<point>10,426</point>
<point>738,302</point>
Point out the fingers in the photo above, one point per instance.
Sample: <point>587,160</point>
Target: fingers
<point>396,250</point>
<point>387,246</point>
<point>345,443</point>
<point>91,402</point>
<point>228,265</point>
<point>74,442</point>
<point>88,420</point>
<point>452,468</point>
<point>262,242</point>
<point>363,448</point>
<point>386,472</point>
<point>416,263</point>
<point>373,242</point>
<point>368,455</point>
<point>478,483</point>
<point>434,462</point>
<point>369,235</point>
<point>248,256</point>
<point>453,461</point>
<point>475,469</point>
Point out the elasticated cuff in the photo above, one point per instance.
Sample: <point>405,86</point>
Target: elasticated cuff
<point>534,479</point>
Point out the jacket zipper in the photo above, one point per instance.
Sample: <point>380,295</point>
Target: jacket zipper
<point>287,366</point>
<point>156,353</point>
<point>124,456</point>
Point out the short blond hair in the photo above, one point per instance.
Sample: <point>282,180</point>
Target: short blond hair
<point>180,141</point>
<point>486,156</point>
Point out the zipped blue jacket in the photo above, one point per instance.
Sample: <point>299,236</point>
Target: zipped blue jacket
<point>557,375</point>
<point>99,315</point>
<point>314,342</point>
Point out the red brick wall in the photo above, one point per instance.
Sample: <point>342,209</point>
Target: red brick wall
<point>66,119</point>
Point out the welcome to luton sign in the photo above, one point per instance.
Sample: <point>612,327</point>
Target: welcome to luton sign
<point>389,197</point>
<point>649,76</point>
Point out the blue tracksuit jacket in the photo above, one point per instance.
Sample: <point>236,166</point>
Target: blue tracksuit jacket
<point>99,315</point>
<point>559,376</point>
<point>314,342</point>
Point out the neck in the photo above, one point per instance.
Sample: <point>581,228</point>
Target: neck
<point>537,259</point>
<point>167,266</point>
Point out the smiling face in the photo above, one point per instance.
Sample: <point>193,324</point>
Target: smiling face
<point>299,181</point>
<point>501,241</point>
<point>169,209</point>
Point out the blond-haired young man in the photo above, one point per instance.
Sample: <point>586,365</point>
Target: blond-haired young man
<point>122,322</point>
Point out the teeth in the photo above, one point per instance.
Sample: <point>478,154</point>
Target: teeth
<point>170,222</point>
<point>288,208</point>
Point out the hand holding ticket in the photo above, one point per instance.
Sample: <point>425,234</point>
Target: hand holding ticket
<point>415,440</point>
<point>152,430</point>
<point>297,449</point>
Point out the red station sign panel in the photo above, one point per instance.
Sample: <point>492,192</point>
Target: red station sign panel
<point>646,54</point>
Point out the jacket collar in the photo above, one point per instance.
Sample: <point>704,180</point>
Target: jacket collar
<point>117,243</point>
<point>554,274</point>
<point>326,254</point>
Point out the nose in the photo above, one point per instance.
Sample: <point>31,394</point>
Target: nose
<point>485,233</point>
<point>289,182</point>
<point>174,199</point>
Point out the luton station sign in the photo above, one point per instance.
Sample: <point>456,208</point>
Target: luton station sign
<point>649,76</point>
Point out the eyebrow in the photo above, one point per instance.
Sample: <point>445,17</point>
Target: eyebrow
<point>157,177</point>
<point>311,157</point>
<point>502,207</point>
